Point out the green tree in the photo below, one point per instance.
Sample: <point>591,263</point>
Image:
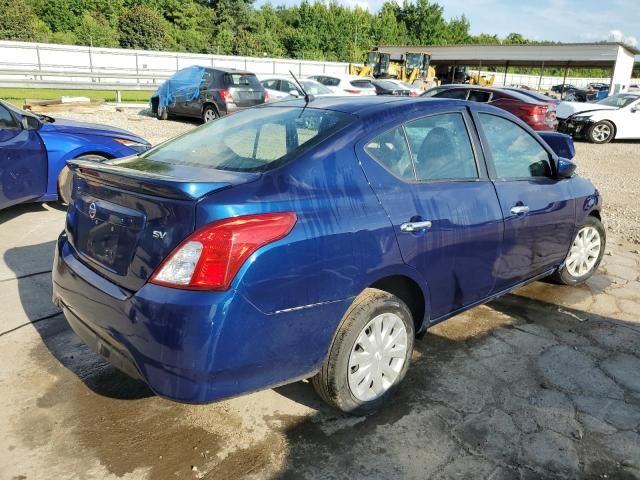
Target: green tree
<point>515,39</point>
<point>143,28</point>
<point>95,30</point>
<point>17,21</point>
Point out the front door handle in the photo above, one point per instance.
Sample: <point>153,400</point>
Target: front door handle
<point>519,209</point>
<point>412,227</point>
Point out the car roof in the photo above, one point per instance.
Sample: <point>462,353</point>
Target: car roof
<point>229,70</point>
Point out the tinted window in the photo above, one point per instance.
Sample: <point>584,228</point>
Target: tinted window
<point>441,147</point>
<point>362,84</point>
<point>458,93</point>
<point>390,149</point>
<point>242,80</point>
<point>515,153</point>
<point>287,86</point>
<point>255,140</point>
<point>6,120</point>
<point>330,81</point>
<point>479,96</point>
<point>272,84</point>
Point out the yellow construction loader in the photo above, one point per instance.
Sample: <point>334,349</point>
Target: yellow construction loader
<point>482,80</point>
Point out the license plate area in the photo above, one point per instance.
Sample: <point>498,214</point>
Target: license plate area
<point>107,233</point>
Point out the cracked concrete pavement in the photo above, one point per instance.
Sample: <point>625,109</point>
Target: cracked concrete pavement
<point>542,383</point>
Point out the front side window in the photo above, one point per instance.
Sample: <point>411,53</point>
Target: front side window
<point>515,153</point>
<point>441,148</point>
<point>250,141</point>
<point>6,120</point>
<point>272,84</point>
<point>391,150</point>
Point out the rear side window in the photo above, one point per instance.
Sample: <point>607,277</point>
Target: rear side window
<point>329,81</point>
<point>479,96</point>
<point>515,153</point>
<point>457,93</point>
<point>6,120</point>
<point>242,80</point>
<point>250,141</point>
<point>362,84</point>
<point>391,150</point>
<point>441,148</point>
<point>272,84</point>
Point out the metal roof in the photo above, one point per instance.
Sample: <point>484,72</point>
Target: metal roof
<point>594,55</point>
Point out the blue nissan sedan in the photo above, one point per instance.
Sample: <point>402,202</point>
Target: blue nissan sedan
<point>34,150</point>
<point>315,239</point>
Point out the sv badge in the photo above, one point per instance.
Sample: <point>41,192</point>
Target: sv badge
<point>159,234</point>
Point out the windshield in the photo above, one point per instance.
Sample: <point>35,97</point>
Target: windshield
<point>620,100</point>
<point>386,84</point>
<point>315,88</point>
<point>254,140</point>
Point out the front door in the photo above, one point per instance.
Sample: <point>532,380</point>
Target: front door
<point>628,121</point>
<point>538,211</point>
<point>23,162</point>
<point>430,178</point>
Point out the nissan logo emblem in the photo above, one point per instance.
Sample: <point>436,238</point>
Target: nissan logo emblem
<point>92,210</point>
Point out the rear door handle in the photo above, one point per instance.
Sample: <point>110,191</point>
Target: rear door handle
<point>410,227</point>
<point>519,209</point>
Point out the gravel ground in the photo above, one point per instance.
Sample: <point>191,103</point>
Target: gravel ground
<point>614,168</point>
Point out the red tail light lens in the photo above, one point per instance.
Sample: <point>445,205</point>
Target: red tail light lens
<point>210,258</point>
<point>225,94</point>
<point>355,92</point>
<point>266,97</point>
<point>534,109</point>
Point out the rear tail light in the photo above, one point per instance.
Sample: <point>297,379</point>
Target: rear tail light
<point>210,258</point>
<point>226,95</point>
<point>355,92</point>
<point>266,97</point>
<point>534,109</point>
<point>413,94</point>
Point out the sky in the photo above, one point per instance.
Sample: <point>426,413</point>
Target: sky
<point>555,20</point>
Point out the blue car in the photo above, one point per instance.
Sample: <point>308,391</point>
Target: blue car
<point>316,239</point>
<point>35,148</point>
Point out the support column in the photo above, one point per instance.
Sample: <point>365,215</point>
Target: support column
<point>541,74</point>
<point>506,70</point>
<point>564,81</point>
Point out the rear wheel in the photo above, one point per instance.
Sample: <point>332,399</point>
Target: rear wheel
<point>370,354</point>
<point>209,113</point>
<point>585,254</point>
<point>601,132</point>
<point>64,179</point>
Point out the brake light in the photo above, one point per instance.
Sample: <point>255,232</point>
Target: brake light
<point>210,258</point>
<point>226,95</point>
<point>352,91</point>
<point>534,109</point>
<point>266,97</point>
<point>413,93</point>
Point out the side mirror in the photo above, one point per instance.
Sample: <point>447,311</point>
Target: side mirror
<point>566,168</point>
<point>30,123</point>
<point>294,93</point>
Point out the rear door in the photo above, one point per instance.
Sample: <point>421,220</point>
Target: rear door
<point>538,210</point>
<point>245,89</point>
<point>23,162</point>
<point>430,178</point>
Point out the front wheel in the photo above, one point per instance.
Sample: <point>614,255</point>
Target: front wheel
<point>585,254</point>
<point>370,354</point>
<point>601,132</point>
<point>65,178</point>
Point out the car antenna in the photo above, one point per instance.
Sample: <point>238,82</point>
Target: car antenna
<point>307,97</point>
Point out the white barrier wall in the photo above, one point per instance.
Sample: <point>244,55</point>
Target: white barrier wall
<point>151,67</point>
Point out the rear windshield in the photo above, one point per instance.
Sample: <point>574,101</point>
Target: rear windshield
<point>362,84</point>
<point>242,80</point>
<point>250,141</point>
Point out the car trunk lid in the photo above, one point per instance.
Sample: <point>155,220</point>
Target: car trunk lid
<point>245,89</point>
<point>125,219</point>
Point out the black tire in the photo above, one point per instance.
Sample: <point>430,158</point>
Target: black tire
<point>64,178</point>
<point>564,276</point>
<point>331,382</point>
<point>601,132</point>
<point>209,113</point>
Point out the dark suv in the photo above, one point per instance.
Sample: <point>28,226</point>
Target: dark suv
<point>207,93</point>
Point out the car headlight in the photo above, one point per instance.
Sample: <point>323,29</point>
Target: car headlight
<point>581,118</point>
<point>139,147</point>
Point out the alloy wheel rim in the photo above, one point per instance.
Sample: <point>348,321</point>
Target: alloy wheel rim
<point>584,252</point>
<point>209,115</point>
<point>601,132</point>
<point>377,357</point>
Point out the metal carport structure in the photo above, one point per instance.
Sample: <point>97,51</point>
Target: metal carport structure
<point>615,56</point>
